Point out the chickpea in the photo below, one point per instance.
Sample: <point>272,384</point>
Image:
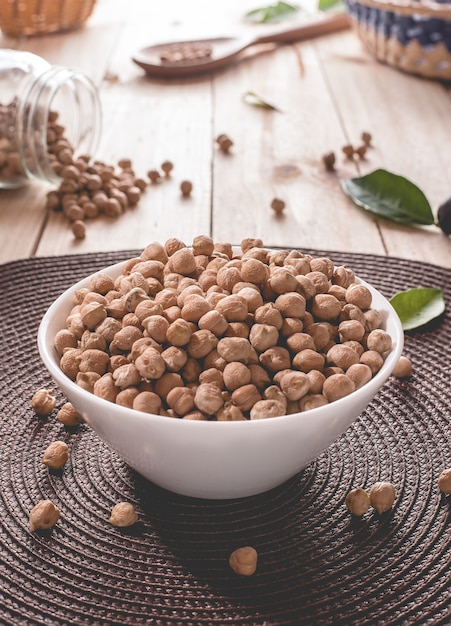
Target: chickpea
<point>150,364</point>
<point>175,358</point>
<point>208,398</point>
<point>373,359</point>
<point>294,385</point>
<point>359,295</point>
<point>307,360</point>
<point>230,413</point>
<point>243,561</point>
<point>201,343</point>
<point>212,375</point>
<point>186,188</point>
<point>342,356</point>
<point>165,383</point>
<point>360,374</point>
<point>312,401</point>
<point>267,408</point>
<point>275,359</point>
<point>382,496</point>
<point>319,280</point>
<point>379,341</point>
<point>126,397</point>
<point>43,516</point>
<point>254,271</point>
<point>183,262</point>
<point>213,321</point>
<point>326,307</point>
<point>181,400</point>
<point>179,333</point>
<point>234,349</point>
<point>236,375</point>
<point>282,281</point>
<point>316,381</point>
<point>444,481</point>
<point>43,402</point>
<point>337,386</point>
<point>300,341</point>
<point>55,455</point>
<point>233,308</point>
<point>126,376</point>
<point>291,304</point>
<point>105,388</point>
<point>268,314</point>
<point>123,515</point>
<point>263,336</point>
<point>351,330</point>
<point>358,502</point>
<point>245,397</point>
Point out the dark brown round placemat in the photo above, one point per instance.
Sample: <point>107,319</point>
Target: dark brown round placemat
<point>317,564</point>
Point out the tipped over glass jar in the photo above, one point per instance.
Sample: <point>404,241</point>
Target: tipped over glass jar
<point>48,114</point>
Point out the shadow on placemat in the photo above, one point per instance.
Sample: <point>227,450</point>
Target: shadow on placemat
<point>317,563</point>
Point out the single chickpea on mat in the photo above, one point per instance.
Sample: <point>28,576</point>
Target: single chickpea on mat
<point>43,515</point>
<point>243,561</point>
<point>43,402</point>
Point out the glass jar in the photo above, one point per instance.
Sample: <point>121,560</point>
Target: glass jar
<point>48,115</point>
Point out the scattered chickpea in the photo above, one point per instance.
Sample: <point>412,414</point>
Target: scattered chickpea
<point>348,151</point>
<point>167,167</point>
<point>403,368</point>
<point>277,206</point>
<point>55,455</point>
<point>444,481</point>
<point>382,496</point>
<point>43,402</point>
<point>329,161</point>
<point>361,151</point>
<point>366,138</point>
<point>243,561</point>
<point>224,142</point>
<point>123,514</point>
<point>43,516</point>
<point>68,415</point>
<point>186,188</point>
<point>154,176</point>
<point>358,501</point>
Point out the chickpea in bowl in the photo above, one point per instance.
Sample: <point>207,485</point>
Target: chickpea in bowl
<point>216,372</point>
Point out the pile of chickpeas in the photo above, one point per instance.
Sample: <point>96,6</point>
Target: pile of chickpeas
<point>201,332</point>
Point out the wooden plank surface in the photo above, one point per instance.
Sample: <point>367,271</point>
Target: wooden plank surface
<point>329,90</point>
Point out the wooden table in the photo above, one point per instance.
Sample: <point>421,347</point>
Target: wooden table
<point>329,90</point>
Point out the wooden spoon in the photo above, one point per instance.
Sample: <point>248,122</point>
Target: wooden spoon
<point>185,58</point>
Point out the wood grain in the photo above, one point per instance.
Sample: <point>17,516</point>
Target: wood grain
<point>329,90</point>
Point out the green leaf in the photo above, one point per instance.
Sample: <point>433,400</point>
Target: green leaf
<point>250,97</point>
<point>416,307</point>
<point>329,5</point>
<point>271,13</point>
<point>390,196</point>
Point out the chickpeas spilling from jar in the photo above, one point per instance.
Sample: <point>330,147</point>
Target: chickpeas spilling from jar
<point>203,333</point>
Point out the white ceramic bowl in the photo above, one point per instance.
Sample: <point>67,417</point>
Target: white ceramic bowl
<point>214,460</point>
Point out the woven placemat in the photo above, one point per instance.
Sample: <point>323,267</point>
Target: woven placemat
<point>317,564</point>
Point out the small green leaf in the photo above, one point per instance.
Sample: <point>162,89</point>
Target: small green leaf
<point>271,13</point>
<point>329,5</point>
<point>416,307</point>
<point>250,97</point>
<point>390,196</point>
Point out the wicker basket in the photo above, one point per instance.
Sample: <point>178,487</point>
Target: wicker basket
<point>413,36</point>
<point>40,17</point>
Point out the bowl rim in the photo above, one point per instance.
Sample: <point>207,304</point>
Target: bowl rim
<point>49,357</point>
